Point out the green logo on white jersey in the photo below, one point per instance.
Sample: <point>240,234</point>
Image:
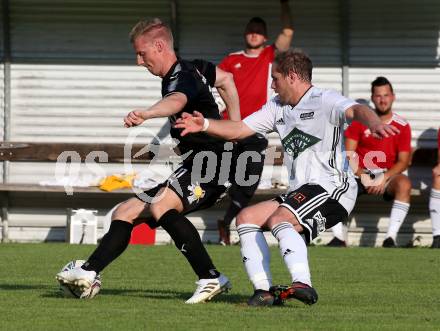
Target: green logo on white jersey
<point>297,142</point>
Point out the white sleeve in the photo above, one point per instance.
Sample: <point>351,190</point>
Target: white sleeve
<point>263,121</point>
<point>339,104</point>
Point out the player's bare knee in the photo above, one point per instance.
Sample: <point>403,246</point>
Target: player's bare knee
<point>128,210</point>
<point>274,221</point>
<point>158,209</point>
<point>244,217</point>
<point>166,199</point>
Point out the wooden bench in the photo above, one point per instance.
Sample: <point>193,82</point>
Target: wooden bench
<point>33,195</point>
<point>13,195</point>
<point>50,152</point>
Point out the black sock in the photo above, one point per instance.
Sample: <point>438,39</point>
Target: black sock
<point>188,241</point>
<point>114,242</point>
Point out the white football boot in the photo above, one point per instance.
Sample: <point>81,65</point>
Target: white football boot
<point>209,288</point>
<point>77,276</point>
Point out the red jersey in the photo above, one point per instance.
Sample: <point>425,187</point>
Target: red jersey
<point>251,77</point>
<point>390,146</point>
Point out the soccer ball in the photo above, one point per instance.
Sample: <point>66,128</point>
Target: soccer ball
<point>72,291</point>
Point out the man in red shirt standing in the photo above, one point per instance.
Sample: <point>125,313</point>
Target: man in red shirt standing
<point>251,71</point>
<point>434,201</point>
<point>379,163</point>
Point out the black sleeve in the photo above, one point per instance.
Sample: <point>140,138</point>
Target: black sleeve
<point>207,69</point>
<point>183,82</point>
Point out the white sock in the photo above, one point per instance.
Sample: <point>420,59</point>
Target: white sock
<point>434,211</point>
<point>294,252</point>
<point>339,230</point>
<point>398,214</point>
<point>256,255</point>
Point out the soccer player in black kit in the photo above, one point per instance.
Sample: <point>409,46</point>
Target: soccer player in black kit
<point>185,88</point>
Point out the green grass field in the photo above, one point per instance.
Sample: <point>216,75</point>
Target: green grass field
<point>145,289</point>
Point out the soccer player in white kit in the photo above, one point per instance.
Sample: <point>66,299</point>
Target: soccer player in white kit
<point>322,189</point>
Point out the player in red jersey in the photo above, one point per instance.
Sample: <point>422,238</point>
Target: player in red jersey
<point>434,201</point>
<point>251,71</point>
<point>380,163</point>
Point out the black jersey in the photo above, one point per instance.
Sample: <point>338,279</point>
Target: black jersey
<point>194,79</point>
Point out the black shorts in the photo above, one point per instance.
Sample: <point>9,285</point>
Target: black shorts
<point>242,194</point>
<point>314,209</point>
<point>198,182</point>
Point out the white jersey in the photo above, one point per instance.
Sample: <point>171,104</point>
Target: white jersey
<point>312,135</point>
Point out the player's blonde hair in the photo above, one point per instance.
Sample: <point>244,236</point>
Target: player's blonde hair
<point>154,28</point>
<point>294,60</point>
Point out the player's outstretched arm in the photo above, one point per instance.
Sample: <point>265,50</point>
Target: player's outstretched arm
<point>169,105</point>
<point>284,39</point>
<point>368,117</point>
<point>229,130</point>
